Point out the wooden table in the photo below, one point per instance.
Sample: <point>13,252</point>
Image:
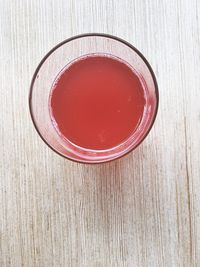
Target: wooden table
<point>142,210</point>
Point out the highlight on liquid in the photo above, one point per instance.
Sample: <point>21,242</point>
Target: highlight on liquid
<point>97,102</point>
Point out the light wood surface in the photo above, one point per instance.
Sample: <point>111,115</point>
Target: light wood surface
<point>140,211</point>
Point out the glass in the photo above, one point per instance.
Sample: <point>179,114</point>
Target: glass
<point>55,61</point>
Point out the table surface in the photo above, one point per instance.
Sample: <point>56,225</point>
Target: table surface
<point>142,210</point>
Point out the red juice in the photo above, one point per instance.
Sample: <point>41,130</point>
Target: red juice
<point>97,102</point>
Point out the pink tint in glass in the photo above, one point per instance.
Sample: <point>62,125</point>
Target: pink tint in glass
<point>56,60</point>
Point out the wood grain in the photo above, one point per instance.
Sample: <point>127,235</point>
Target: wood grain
<point>142,210</point>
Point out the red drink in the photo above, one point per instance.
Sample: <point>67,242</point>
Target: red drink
<point>97,102</point>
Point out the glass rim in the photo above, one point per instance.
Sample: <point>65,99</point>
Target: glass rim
<point>93,35</point>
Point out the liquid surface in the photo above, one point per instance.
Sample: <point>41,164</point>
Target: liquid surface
<point>97,102</point>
